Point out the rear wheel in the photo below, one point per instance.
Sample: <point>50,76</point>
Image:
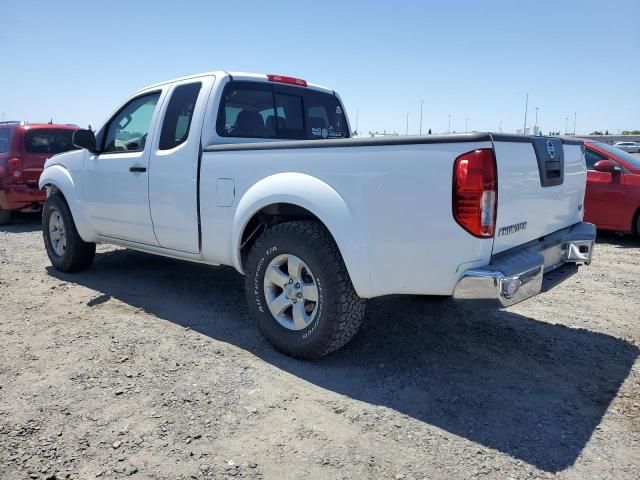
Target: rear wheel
<point>299,290</point>
<point>637,224</point>
<point>65,248</point>
<point>5,216</point>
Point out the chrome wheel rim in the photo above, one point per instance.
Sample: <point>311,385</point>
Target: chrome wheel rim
<point>291,292</point>
<point>57,236</point>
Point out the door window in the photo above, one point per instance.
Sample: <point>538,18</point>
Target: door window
<point>177,119</point>
<point>127,131</point>
<point>591,157</point>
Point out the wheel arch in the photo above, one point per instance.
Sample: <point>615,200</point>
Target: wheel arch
<point>292,196</point>
<point>56,179</point>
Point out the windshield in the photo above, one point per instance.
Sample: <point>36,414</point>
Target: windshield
<point>633,160</point>
<point>48,140</point>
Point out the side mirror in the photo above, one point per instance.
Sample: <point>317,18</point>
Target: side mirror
<point>84,139</point>
<point>606,166</point>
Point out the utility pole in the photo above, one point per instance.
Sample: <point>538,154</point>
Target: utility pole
<point>575,115</point>
<point>407,123</point>
<point>449,131</point>
<point>526,107</point>
<point>421,102</point>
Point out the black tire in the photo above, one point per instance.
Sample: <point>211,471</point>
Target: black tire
<point>340,311</point>
<point>78,254</point>
<point>5,216</point>
<point>636,226</point>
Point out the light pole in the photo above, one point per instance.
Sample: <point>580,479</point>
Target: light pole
<point>526,107</point>
<point>575,115</point>
<point>500,126</point>
<point>536,125</point>
<point>566,125</point>
<point>449,131</point>
<point>421,102</point>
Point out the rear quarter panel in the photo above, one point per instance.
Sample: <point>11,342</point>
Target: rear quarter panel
<point>401,237</point>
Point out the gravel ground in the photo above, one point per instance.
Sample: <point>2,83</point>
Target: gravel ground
<point>146,367</point>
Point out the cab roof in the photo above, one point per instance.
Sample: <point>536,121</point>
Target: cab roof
<point>254,77</point>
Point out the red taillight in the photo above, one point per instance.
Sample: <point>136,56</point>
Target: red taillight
<point>283,79</point>
<point>475,193</point>
<point>14,169</point>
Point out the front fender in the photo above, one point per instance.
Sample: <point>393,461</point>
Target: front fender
<point>325,203</point>
<point>59,177</point>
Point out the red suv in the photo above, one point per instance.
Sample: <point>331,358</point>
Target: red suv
<point>23,150</point>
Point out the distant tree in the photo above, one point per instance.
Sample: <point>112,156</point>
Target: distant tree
<point>429,131</point>
<point>596,132</point>
<point>606,132</point>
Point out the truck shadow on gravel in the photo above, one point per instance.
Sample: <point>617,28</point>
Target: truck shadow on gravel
<point>23,223</point>
<point>531,389</point>
<point>617,240</point>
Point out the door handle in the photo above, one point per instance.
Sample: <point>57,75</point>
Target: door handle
<point>138,169</point>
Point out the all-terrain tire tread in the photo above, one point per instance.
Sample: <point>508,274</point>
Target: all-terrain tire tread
<point>81,253</point>
<point>350,307</point>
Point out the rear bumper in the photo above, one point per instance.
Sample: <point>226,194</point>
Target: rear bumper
<point>525,271</point>
<point>19,197</point>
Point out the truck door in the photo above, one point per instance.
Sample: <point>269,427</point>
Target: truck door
<point>116,183</point>
<point>173,175</point>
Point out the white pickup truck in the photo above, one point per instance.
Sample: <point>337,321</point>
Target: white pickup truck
<point>258,172</point>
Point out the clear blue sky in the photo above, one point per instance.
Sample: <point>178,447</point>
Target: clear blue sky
<point>76,60</point>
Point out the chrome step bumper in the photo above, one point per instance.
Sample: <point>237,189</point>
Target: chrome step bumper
<point>525,271</point>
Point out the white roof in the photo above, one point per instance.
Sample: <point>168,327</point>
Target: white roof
<point>259,77</point>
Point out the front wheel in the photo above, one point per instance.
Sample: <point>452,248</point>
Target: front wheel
<point>65,248</point>
<point>300,292</point>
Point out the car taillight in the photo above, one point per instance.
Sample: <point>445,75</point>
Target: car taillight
<point>475,193</point>
<point>14,169</point>
<point>290,80</point>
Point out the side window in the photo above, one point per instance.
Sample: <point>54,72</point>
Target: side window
<point>247,110</point>
<point>127,131</point>
<point>591,157</point>
<point>177,118</point>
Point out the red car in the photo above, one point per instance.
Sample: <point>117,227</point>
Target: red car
<point>612,200</point>
<point>23,150</point>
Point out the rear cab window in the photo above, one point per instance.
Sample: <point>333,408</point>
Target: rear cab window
<point>265,110</point>
<point>48,140</point>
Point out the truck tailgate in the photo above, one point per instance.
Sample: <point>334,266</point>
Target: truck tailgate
<point>541,185</point>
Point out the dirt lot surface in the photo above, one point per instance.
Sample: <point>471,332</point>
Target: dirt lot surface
<point>146,367</point>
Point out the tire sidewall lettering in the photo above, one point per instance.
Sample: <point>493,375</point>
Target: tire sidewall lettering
<point>260,301</point>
